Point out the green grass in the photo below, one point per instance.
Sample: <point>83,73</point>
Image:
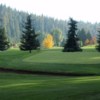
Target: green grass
<point>53,60</point>
<point>35,87</point>
<point>65,58</point>
<point>28,87</point>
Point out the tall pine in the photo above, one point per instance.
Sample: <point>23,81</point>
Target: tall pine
<point>98,41</point>
<point>72,44</point>
<point>4,44</point>
<point>29,40</point>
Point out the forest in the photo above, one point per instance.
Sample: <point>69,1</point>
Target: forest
<point>12,20</point>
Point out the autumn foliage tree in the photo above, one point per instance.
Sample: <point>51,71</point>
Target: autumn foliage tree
<point>94,40</point>
<point>87,42</point>
<point>48,41</point>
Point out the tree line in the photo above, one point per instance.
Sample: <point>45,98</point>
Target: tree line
<point>29,40</point>
<point>13,20</point>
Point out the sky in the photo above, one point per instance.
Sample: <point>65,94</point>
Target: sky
<point>80,10</point>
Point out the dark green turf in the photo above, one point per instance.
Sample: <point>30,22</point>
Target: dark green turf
<point>28,87</point>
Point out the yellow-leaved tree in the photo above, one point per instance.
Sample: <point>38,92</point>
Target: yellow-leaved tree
<point>87,42</point>
<point>48,41</point>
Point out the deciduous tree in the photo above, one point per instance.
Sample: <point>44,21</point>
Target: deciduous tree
<point>48,41</point>
<point>58,38</point>
<point>87,42</point>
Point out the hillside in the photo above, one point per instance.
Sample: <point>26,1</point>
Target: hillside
<point>13,20</point>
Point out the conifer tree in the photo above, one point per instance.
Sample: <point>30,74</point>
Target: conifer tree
<point>98,41</point>
<point>29,40</point>
<point>4,44</point>
<point>72,44</point>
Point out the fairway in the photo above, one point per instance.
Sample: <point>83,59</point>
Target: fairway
<point>53,60</point>
<point>65,57</point>
<point>28,87</point>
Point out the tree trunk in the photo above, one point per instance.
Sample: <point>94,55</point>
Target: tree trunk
<point>30,51</point>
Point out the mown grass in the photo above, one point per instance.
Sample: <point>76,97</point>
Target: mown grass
<point>65,58</point>
<point>36,87</point>
<point>53,60</point>
<point>28,87</point>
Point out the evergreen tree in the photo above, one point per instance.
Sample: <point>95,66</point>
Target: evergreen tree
<point>4,44</point>
<point>72,44</point>
<point>29,38</point>
<point>98,41</point>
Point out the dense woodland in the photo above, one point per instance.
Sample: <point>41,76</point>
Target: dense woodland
<point>12,20</point>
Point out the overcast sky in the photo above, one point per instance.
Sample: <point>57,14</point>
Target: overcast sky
<point>85,10</point>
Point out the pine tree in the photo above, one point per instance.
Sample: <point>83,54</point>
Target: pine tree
<point>29,40</point>
<point>98,41</point>
<point>72,44</point>
<point>4,44</point>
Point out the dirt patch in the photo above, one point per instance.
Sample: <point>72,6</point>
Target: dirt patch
<point>9,70</point>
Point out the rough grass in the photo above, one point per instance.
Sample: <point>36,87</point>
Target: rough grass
<point>28,87</point>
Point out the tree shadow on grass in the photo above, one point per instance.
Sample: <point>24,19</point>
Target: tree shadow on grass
<point>57,69</point>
